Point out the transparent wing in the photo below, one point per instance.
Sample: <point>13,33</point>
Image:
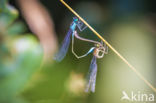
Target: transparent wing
<point>91,78</point>
<point>64,48</point>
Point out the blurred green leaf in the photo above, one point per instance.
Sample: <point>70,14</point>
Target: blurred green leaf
<point>8,14</point>
<point>20,55</point>
<point>16,28</point>
<point>20,69</point>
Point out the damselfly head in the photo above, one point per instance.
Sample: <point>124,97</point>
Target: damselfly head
<point>75,19</point>
<point>97,45</point>
<point>100,50</point>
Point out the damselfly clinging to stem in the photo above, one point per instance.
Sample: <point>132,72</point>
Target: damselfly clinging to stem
<point>98,50</point>
<point>65,44</point>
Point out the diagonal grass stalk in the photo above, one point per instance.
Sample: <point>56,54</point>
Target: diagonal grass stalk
<point>111,47</point>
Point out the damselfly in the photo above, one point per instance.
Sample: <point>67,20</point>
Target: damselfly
<point>98,51</point>
<point>65,44</point>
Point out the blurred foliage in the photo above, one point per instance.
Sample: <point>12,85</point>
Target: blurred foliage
<point>20,55</point>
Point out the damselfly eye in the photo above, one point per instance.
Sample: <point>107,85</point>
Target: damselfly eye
<point>97,45</point>
<point>75,19</point>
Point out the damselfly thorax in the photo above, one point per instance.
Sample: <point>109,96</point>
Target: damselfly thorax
<point>100,50</point>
